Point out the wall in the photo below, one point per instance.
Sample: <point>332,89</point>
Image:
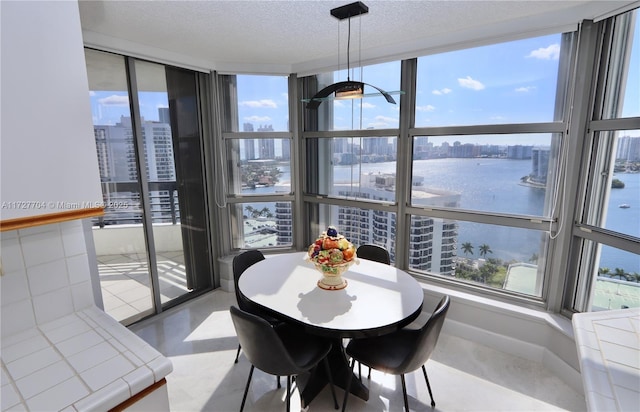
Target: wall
<point>48,159</point>
<point>45,275</point>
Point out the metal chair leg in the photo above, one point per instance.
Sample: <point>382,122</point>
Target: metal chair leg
<point>404,394</point>
<point>333,390</point>
<point>348,388</point>
<point>246,389</point>
<point>279,385</point>
<point>424,370</point>
<point>369,375</point>
<point>288,393</point>
<point>237,354</point>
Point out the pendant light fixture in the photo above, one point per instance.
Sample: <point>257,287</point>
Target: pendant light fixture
<point>349,89</point>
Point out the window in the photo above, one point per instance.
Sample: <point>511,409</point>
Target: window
<point>607,236</point>
<point>499,173</point>
<point>357,168</point>
<point>371,112</point>
<point>481,170</point>
<point>152,245</point>
<point>258,169</point>
<point>512,82</point>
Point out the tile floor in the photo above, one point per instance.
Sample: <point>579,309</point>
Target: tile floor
<point>124,279</point>
<point>198,337</point>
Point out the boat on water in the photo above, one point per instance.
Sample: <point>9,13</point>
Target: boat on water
<point>624,206</point>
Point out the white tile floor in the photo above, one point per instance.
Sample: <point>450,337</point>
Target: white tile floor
<point>198,337</point>
<point>124,279</point>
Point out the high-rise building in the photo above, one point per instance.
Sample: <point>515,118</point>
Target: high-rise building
<point>163,115</point>
<point>519,152</point>
<point>539,164</point>
<point>267,148</point>
<point>433,241</point>
<point>118,171</point>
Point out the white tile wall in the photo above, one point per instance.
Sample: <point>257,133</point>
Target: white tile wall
<point>40,264</point>
<point>59,352</point>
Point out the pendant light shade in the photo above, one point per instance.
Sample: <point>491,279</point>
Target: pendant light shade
<point>349,89</point>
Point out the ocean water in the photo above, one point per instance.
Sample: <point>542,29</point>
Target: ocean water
<point>493,185</point>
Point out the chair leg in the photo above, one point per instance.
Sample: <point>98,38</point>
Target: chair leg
<point>288,393</point>
<point>360,371</point>
<point>404,393</point>
<point>424,370</point>
<point>246,389</point>
<point>369,375</point>
<point>279,385</point>
<point>333,390</point>
<point>348,388</point>
<point>237,354</point>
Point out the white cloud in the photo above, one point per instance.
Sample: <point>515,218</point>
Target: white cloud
<point>387,119</point>
<point>470,83</point>
<point>366,105</point>
<point>115,100</point>
<point>442,91</point>
<point>426,108</point>
<point>524,89</point>
<point>92,93</point>
<point>264,103</point>
<point>257,118</point>
<point>546,53</point>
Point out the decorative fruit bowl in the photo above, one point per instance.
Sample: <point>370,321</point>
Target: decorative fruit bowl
<point>332,255</point>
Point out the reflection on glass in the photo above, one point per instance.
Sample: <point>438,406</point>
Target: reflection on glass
<point>507,173</point>
<point>360,226</point>
<point>623,83</point>
<point>358,168</point>
<point>259,166</point>
<point>495,256</point>
<point>623,204</point>
<point>264,224</point>
<point>617,284</point>
<point>513,82</point>
<point>160,165</point>
<point>370,112</point>
<point>118,236</point>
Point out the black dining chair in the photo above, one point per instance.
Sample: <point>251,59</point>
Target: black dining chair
<point>279,350</point>
<point>377,254</point>
<point>241,263</point>
<point>400,352</point>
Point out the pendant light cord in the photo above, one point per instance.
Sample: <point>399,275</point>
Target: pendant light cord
<point>348,47</point>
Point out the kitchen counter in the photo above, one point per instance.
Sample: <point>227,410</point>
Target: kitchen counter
<point>80,362</point>
<point>609,349</point>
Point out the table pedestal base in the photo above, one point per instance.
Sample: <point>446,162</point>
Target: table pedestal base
<point>340,370</point>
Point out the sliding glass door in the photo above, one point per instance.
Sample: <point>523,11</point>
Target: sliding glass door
<point>152,244</point>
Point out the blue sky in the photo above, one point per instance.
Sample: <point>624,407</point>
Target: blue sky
<point>513,82</point>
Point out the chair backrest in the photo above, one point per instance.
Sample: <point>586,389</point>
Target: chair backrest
<point>375,253</point>
<point>241,263</point>
<point>426,338</point>
<point>261,344</point>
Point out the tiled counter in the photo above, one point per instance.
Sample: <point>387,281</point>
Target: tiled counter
<point>81,362</point>
<point>609,349</point>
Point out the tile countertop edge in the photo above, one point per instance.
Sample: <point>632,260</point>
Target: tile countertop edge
<point>129,366</point>
<point>597,367</point>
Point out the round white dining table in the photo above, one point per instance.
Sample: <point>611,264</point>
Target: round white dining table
<point>378,299</point>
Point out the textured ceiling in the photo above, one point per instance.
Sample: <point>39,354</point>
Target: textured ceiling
<point>301,36</point>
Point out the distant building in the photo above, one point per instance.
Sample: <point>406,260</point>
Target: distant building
<point>118,171</point>
<point>628,149</point>
<point>433,241</point>
<point>539,165</point>
<point>519,152</point>
<point>163,115</point>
